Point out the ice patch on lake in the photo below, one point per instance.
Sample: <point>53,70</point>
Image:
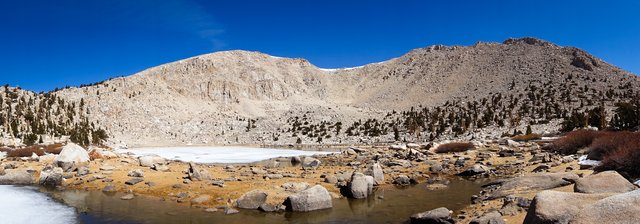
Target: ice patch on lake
<point>26,205</point>
<point>219,154</point>
<point>583,161</point>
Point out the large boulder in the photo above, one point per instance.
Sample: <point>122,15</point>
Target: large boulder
<point>71,156</point>
<point>475,170</point>
<point>558,207</point>
<point>360,186</point>
<point>310,163</point>
<point>314,198</point>
<point>375,170</point>
<point>607,181</point>
<point>489,218</point>
<point>51,176</point>
<point>16,177</point>
<point>621,208</point>
<point>531,182</point>
<point>151,160</point>
<point>196,174</point>
<point>252,199</point>
<point>440,215</point>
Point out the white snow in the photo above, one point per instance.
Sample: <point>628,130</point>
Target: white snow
<point>218,154</point>
<point>637,183</point>
<point>26,205</point>
<point>587,162</point>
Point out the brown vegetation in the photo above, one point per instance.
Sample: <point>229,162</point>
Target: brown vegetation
<point>25,152</point>
<point>625,160</point>
<point>574,141</point>
<point>524,138</point>
<point>610,141</point>
<point>454,147</point>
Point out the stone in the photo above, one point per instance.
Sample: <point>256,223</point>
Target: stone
<point>295,187</point>
<point>475,170</point>
<point>621,208</point>
<point>201,199</point>
<point>440,215</point>
<point>375,170</point>
<point>314,198</point>
<point>273,176</point>
<point>161,167</point>
<point>219,183</point>
<point>82,171</point>
<point>436,168</point>
<point>16,177</point>
<point>489,218</point>
<point>310,163</point>
<point>541,168</point>
<point>127,197</point>
<point>358,187</point>
<point>332,179</point>
<point>252,199</point>
<point>402,180</point>
<point>197,175</point>
<point>531,182</point>
<point>514,205</point>
<point>51,177</point>
<point>48,158</point>
<point>558,207</point>
<point>266,207</point>
<point>107,168</point>
<point>151,160</point>
<point>109,188</point>
<point>134,181</point>
<point>257,170</point>
<point>230,211</point>
<point>72,155</point>
<point>136,173</point>
<point>106,154</point>
<point>211,210</point>
<point>604,182</point>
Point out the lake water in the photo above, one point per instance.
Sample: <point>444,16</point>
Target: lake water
<point>395,206</point>
<point>232,154</point>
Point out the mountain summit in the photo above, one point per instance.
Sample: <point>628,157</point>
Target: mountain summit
<point>235,97</point>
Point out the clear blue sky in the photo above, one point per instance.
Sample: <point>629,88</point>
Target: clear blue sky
<point>48,44</point>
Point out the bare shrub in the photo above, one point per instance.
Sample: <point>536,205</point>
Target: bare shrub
<point>525,138</point>
<point>574,141</point>
<point>454,147</point>
<point>609,142</point>
<point>26,151</point>
<point>624,159</point>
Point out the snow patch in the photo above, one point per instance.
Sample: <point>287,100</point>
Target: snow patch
<point>219,154</point>
<point>637,183</point>
<point>583,161</point>
<point>26,205</point>
<point>345,69</point>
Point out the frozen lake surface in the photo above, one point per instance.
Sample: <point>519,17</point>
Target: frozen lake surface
<point>27,205</point>
<point>227,154</point>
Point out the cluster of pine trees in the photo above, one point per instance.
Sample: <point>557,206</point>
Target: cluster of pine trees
<point>30,117</point>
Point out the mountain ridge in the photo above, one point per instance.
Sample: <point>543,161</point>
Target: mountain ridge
<point>235,97</point>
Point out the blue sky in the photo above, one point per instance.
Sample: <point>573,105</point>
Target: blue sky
<point>48,44</point>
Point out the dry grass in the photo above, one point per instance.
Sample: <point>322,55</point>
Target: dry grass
<point>525,138</point>
<point>454,147</point>
<point>574,141</point>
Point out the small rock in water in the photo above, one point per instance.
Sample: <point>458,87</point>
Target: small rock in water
<point>230,211</point>
<point>127,197</point>
<point>211,210</point>
<point>109,188</point>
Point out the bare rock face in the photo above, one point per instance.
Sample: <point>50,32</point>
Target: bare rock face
<point>621,208</point>
<point>436,216</point>
<point>558,207</point>
<point>604,182</point>
<point>314,198</point>
<point>196,174</point>
<point>360,186</point>
<point>531,182</point>
<point>71,156</point>
<point>375,170</point>
<point>16,177</point>
<point>151,161</point>
<point>489,218</point>
<point>51,177</point>
<point>252,199</point>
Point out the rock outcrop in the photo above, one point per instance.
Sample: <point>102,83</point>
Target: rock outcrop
<point>314,198</point>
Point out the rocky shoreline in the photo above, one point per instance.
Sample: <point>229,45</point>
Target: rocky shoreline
<point>525,183</point>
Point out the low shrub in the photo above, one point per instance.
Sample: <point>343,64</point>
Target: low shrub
<point>625,160</point>
<point>53,148</point>
<point>525,138</point>
<point>26,151</point>
<point>574,141</point>
<point>609,142</point>
<point>454,147</point>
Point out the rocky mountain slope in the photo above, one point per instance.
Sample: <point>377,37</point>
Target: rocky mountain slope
<point>237,97</point>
